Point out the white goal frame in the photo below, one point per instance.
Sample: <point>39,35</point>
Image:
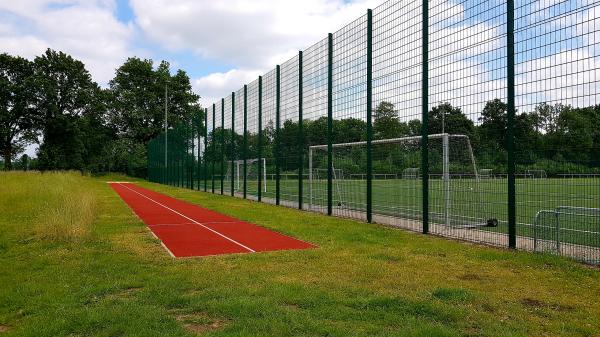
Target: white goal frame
<point>239,171</point>
<point>445,137</point>
<point>536,174</point>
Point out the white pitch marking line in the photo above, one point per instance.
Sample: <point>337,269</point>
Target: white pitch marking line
<point>192,220</point>
<point>162,244</point>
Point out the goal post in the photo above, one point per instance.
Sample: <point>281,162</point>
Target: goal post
<point>445,144</point>
<point>251,172</point>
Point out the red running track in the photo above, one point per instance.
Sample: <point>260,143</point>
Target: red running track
<point>187,230</point>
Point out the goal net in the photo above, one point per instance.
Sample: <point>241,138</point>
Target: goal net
<point>236,172</point>
<point>455,196</point>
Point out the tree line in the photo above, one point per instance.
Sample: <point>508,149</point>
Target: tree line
<point>52,101</point>
<point>556,138</point>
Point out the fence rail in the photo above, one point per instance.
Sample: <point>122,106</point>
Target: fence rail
<point>516,82</point>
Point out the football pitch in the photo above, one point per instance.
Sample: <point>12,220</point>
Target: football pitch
<point>463,203</point>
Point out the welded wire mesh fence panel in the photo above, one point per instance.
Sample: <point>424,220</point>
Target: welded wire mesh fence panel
<point>349,103</point>
<point>236,163</point>
<point>289,160</point>
<point>199,139</point>
<point>315,77</point>
<point>467,88</point>
<point>269,87</point>
<point>556,128</point>
<point>397,44</point>
<point>467,76</point>
<point>227,138</point>
<point>252,166</point>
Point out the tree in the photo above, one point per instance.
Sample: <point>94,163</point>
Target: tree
<point>386,124</point>
<point>349,130</point>
<point>493,125</point>
<point>65,92</point>
<point>546,116</point>
<point>138,99</point>
<point>17,116</point>
<point>445,118</point>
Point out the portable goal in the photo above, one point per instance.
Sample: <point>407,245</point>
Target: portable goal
<point>410,173</point>
<point>449,152</point>
<point>536,174</point>
<point>252,172</point>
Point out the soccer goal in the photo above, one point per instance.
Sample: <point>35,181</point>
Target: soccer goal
<point>252,172</point>
<point>536,174</point>
<point>410,173</point>
<point>485,174</point>
<point>450,156</point>
<point>318,178</point>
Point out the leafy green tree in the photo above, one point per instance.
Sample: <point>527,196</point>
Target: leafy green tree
<point>547,116</point>
<point>414,127</point>
<point>17,115</point>
<point>65,93</point>
<point>493,125</point>
<point>138,102</point>
<point>449,119</point>
<point>386,124</point>
<point>349,130</point>
<point>138,99</point>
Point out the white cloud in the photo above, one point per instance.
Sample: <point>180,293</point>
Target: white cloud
<point>85,29</point>
<point>217,85</point>
<point>252,35</point>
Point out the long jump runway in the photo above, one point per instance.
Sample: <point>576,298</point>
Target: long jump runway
<point>187,230</point>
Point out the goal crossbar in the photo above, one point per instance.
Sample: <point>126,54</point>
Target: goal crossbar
<point>389,140</point>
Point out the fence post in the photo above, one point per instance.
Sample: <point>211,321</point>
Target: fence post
<point>192,157</point>
<point>177,158</point>
<point>260,168</point>
<point>204,157</point>
<point>277,126</point>
<point>198,150</point>
<point>213,150</point>
<point>425,117</point>
<point>245,150</point>
<point>222,143</point>
<point>330,126</point>
<point>369,115</point>
<point>181,158</point>
<point>510,68</point>
<point>233,156</point>
<point>300,134</point>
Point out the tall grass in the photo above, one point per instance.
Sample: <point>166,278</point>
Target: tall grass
<point>62,205</point>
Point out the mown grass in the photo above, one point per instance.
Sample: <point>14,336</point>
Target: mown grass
<point>363,280</point>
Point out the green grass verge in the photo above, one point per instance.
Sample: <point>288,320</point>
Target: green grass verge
<point>110,277</point>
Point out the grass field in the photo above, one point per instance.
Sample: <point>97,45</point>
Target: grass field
<point>470,202</point>
<point>75,261</point>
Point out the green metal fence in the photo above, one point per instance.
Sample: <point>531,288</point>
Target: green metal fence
<point>476,120</point>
